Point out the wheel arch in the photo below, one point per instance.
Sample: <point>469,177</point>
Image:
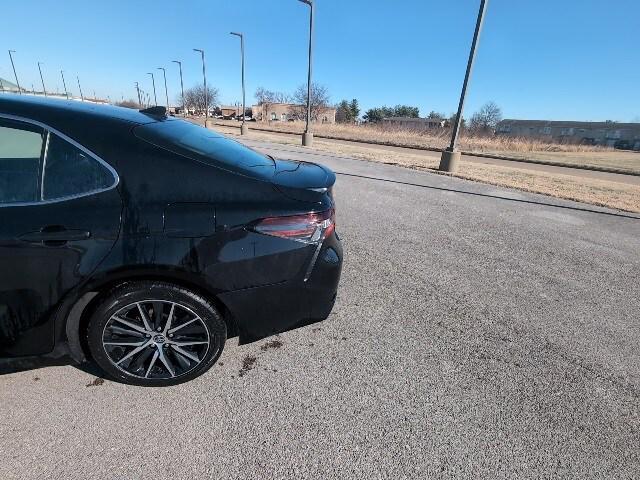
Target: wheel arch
<point>80,311</point>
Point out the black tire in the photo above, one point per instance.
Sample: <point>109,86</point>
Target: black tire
<point>179,363</point>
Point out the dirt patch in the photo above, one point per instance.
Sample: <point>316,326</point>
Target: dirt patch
<point>248,363</point>
<point>273,344</point>
<point>96,383</point>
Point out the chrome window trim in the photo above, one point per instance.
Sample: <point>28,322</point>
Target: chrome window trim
<point>44,165</point>
<point>49,131</point>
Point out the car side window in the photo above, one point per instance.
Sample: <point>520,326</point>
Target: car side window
<point>20,157</point>
<point>69,171</point>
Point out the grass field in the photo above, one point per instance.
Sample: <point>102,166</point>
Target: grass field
<point>517,148</point>
<point>588,190</point>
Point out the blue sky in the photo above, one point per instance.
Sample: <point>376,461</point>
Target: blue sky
<point>554,59</point>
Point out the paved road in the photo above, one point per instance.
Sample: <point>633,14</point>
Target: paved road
<point>479,333</point>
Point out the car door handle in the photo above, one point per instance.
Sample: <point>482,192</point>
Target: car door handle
<point>56,236</point>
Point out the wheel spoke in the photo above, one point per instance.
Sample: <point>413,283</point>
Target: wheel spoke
<point>125,344</point>
<point>173,330</point>
<point>129,324</point>
<point>184,362</point>
<point>145,316</point>
<point>124,331</point>
<point>167,326</point>
<point>189,355</point>
<point>153,362</point>
<point>166,362</point>
<point>133,352</point>
<point>187,344</point>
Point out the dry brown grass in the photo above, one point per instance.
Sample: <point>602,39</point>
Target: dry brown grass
<point>588,190</point>
<point>519,148</point>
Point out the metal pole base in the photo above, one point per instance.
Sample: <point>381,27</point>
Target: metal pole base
<point>244,129</point>
<point>307,139</point>
<point>449,161</point>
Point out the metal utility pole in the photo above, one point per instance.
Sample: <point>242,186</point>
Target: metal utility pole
<point>153,81</point>
<point>206,93</point>
<point>1,86</point>
<point>451,157</point>
<point>41,78</point>
<point>243,128</point>
<point>64,84</point>
<point>166,92</point>
<point>80,88</point>
<point>14,71</point>
<point>181,86</point>
<point>307,136</point>
<point>138,90</point>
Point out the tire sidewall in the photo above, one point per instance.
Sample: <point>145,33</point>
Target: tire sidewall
<point>144,291</point>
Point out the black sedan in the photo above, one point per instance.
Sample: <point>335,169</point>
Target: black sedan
<point>142,242</point>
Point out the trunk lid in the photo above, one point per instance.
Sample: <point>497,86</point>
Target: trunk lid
<point>303,181</point>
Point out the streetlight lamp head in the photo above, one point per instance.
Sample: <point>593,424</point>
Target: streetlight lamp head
<point>308,2</point>
<point>236,34</point>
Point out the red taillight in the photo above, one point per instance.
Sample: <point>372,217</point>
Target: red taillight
<point>309,227</point>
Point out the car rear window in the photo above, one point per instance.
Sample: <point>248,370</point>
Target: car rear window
<point>204,145</point>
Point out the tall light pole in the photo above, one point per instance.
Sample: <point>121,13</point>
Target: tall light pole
<point>42,79</point>
<point>181,85</point>
<point>153,81</point>
<point>451,157</point>
<point>206,93</point>
<point>80,88</point>
<point>14,71</point>
<point>166,92</point>
<point>307,136</point>
<point>138,90</point>
<point>243,127</point>
<point>64,84</point>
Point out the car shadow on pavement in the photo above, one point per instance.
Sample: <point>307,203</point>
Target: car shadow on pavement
<point>498,197</point>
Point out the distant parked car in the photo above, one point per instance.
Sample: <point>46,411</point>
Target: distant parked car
<point>142,242</point>
<point>623,145</point>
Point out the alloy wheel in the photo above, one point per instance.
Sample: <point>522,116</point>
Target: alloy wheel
<point>155,339</point>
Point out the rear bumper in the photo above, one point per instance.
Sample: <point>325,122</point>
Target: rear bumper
<point>263,311</point>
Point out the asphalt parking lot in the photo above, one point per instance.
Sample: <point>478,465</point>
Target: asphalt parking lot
<point>479,332</point>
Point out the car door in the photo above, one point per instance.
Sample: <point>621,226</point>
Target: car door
<point>59,217</point>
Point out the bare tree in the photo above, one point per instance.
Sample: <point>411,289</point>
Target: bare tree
<point>320,99</point>
<point>194,98</point>
<point>265,97</point>
<point>486,119</point>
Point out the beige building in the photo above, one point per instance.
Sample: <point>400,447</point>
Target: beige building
<point>282,112</point>
<point>614,134</point>
<point>231,110</point>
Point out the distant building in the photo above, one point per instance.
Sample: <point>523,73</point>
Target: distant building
<point>411,123</point>
<point>614,134</point>
<point>282,112</point>
<point>231,110</point>
<point>7,86</point>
